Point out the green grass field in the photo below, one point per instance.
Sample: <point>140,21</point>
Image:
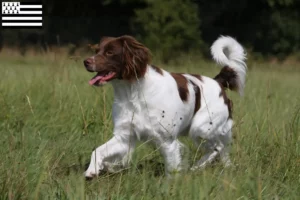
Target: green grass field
<point>51,120</point>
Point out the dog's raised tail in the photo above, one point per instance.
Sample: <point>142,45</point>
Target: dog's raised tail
<point>227,52</point>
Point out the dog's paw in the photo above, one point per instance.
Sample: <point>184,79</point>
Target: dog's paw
<point>90,174</point>
<point>93,170</point>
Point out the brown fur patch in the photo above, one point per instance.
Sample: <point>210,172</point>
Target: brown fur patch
<point>157,69</point>
<point>136,57</point>
<point>197,97</point>
<point>197,76</point>
<point>227,101</point>
<point>227,78</point>
<point>182,85</point>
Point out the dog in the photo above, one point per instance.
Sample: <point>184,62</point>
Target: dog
<point>157,106</point>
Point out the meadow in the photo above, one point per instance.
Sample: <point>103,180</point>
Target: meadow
<point>51,120</point>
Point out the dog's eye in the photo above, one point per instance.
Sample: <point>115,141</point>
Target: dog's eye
<point>109,53</point>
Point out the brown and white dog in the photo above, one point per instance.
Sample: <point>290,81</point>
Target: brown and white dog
<point>151,104</point>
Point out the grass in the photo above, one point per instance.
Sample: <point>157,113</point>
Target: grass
<point>51,120</point>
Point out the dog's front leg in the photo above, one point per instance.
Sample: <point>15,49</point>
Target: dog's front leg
<point>111,156</point>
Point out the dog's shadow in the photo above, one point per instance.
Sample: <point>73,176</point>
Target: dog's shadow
<point>152,167</point>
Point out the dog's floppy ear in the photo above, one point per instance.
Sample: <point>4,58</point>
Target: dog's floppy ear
<point>135,58</point>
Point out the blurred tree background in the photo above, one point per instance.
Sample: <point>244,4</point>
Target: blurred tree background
<point>169,27</point>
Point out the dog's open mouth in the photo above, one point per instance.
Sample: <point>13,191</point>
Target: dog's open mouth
<point>102,78</point>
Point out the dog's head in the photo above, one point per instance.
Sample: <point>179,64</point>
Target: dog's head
<point>122,58</point>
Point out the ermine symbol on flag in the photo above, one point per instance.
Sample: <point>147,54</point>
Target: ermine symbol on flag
<point>22,15</point>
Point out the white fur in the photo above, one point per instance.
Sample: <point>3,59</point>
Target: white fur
<point>226,51</point>
<point>151,109</point>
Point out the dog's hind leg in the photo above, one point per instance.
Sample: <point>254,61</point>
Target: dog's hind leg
<point>213,150</point>
<point>216,130</point>
<point>226,139</point>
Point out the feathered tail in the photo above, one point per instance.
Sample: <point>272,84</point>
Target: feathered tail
<point>227,52</point>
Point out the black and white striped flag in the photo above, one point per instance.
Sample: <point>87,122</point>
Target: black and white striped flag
<point>22,15</point>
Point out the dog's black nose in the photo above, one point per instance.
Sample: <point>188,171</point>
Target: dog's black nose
<point>88,62</point>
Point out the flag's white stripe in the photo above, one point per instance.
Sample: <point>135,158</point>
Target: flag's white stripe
<point>22,24</point>
<point>22,18</point>
<point>30,12</point>
<point>30,6</point>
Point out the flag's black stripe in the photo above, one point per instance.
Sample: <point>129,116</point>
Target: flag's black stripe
<point>22,21</point>
<point>22,27</point>
<point>31,9</point>
<point>30,3</point>
<point>21,15</point>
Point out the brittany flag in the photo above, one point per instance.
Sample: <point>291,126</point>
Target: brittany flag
<point>22,15</point>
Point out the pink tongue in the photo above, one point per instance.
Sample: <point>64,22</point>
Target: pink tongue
<point>95,79</point>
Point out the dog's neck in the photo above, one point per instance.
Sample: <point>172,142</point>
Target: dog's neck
<point>131,91</point>
<point>124,90</point>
